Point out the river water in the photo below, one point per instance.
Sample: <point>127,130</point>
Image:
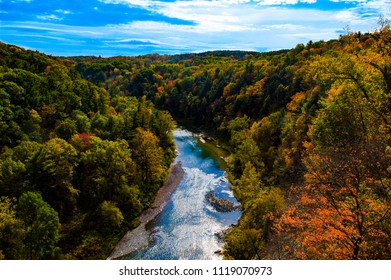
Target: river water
<point>186,227</point>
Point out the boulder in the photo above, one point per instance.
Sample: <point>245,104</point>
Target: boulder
<point>221,204</point>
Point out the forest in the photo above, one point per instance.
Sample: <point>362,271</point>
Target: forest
<point>78,165</point>
<point>87,139</point>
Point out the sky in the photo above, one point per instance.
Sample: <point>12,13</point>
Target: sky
<point>135,27</point>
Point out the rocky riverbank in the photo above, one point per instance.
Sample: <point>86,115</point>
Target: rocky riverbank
<point>138,238</point>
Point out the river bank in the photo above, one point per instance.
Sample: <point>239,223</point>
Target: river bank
<point>138,238</point>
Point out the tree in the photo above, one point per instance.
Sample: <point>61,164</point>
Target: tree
<point>110,215</point>
<point>107,167</point>
<point>81,121</point>
<point>11,231</point>
<point>248,239</point>
<point>163,124</point>
<point>51,172</point>
<point>148,155</point>
<point>128,200</point>
<point>12,175</point>
<point>13,169</point>
<point>343,211</point>
<point>41,224</point>
<point>249,184</point>
<point>247,151</point>
<point>66,129</point>
<point>244,244</point>
<point>237,125</point>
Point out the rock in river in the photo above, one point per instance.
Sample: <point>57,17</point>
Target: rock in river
<point>221,204</point>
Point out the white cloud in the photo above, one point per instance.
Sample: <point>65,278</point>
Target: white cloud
<point>287,26</point>
<point>214,16</point>
<point>381,6</point>
<point>138,3</point>
<point>347,1</point>
<point>57,38</point>
<point>55,28</point>
<point>65,12</point>
<point>284,2</point>
<point>207,16</point>
<point>347,16</point>
<point>49,17</point>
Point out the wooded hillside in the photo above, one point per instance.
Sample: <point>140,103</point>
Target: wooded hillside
<point>77,165</point>
<point>308,130</point>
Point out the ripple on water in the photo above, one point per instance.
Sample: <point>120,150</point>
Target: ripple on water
<point>186,227</point>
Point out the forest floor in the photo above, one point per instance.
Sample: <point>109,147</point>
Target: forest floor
<point>138,238</point>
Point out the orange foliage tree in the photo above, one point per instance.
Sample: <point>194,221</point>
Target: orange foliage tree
<point>343,211</point>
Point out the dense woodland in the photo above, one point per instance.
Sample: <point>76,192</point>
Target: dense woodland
<point>77,165</point>
<point>308,130</point>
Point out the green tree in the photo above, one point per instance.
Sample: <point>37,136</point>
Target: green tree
<point>41,224</point>
<point>51,172</point>
<point>11,177</point>
<point>244,244</point>
<point>249,184</point>
<point>82,122</point>
<point>128,200</point>
<point>248,239</point>
<point>247,151</point>
<point>66,129</point>
<point>107,168</point>
<point>110,215</point>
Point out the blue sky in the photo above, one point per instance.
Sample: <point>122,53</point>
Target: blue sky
<point>136,27</point>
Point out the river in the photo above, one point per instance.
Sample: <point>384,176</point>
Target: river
<point>187,226</point>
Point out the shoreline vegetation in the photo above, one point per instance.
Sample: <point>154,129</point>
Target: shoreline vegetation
<point>138,238</point>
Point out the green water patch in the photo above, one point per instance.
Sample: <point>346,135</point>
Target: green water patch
<point>210,148</point>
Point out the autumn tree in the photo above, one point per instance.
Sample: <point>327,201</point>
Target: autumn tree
<point>11,230</point>
<point>343,209</point>
<point>148,155</point>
